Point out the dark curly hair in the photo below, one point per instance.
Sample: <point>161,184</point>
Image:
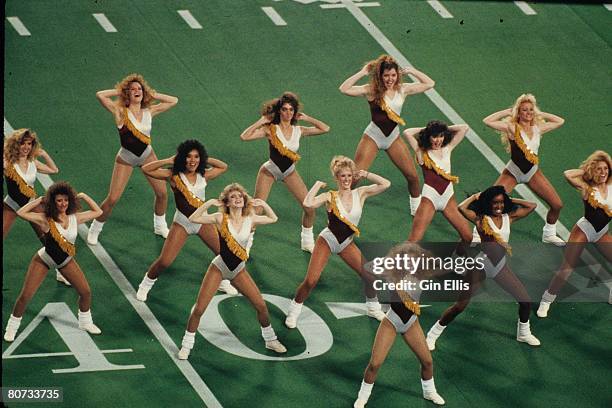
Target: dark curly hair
<point>272,109</point>
<point>60,188</point>
<point>180,161</point>
<point>482,206</point>
<point>434,128</point>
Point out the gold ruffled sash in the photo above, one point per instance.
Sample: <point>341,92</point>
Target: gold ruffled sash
<point>232,244</point>
<point>282,149</point>
<point>430,164</point>
<point>518,139</point>
<point>67,246</point>
<point>486,227</point>
<point>25,189</point>
<point>593,202</point>
<point>410,304</point>
<point>191,198</point>
<point>390,113</point>
<point>137,133</point>
<point>334,206</point>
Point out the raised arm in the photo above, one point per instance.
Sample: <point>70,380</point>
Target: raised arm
<point>217,167</point>
<point>318,128</point>
<point>552,122</point>
<point>155,169</point>
<point>27,213</point>
<point>312,200</point>
<point>494,120</point>
<point>269,216</point>
<point>199,216</point>
<point>574,177</point>
<point>465,211</point>
<point>460,131</point>
<point>424,82</point>
<point>94,209</point>
<point>349,88</point>
<point>380,184</point>
<point>48,167</point>
<point>257,130</point>
<point>105,99</point>
<point>524,209</point>
<point>411,137</point>
<point>165,102</point>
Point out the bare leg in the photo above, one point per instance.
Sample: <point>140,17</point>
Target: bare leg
<point>318,260</point>
<point>353,258</point>
<point>422,219</point>
<point>507,180</point>
<point>542,187</point>
<point>296,186</point>
<point>8,218</point>
<point>415,339</point>
<point>73,273</point>
<point>263,185</point>
<point>365,154</point>
<point>208,235</point>
<point>159,188</point>
<point>209,286</point>
<point>400,156</point>
<point>452,214</point>
<point>34,277</point>
<point>245,285</point>
<point>121,175</point>
<point>385,336</point>
<point>570,258</point>
<point>172,246</point>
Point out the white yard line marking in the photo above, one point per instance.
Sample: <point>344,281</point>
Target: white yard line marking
<point>608,6</point>
<point>439,8</point>
<point>141,308</point>
<point>19,26</point>
<point>335,6</point>
<point>472,136</point>
<point>525,8</point>
<point>274,16</point>
<point>63,353</point>
<point>189,19</point>
<point>105,22</point>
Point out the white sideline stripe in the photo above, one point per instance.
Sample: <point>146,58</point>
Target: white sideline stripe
<point>104,22</point>
<point>525,8</point>
<point>472,136</point>
<point>439,8</point>
<point>63,353</point>
<point>19,26</point>
<point>274,16</point>
<point>608,6</point>
<point>335,6</point>
<point>141,308</point>
<point>189,19</point>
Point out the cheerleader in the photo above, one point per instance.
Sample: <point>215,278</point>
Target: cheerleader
<point>133,111</point>
<point>433,146</point>
<point>385,94</point>
<point>59,223</point>
<point>234,223</point>
<point>402,318</point>
<point>191,171</point>
<point>492,211</point>
<point>593,181</point>
<point>344,208</point>
<point>522,127</point>
<point>278,124</point>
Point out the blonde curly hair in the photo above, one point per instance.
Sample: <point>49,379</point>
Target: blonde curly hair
<point>339,163</point>
<point>513,118</point>
<point>224,198</point>
<point>14,141</point>
<point>123,87</point>
<point>376,68</point>
<point>588,166</point>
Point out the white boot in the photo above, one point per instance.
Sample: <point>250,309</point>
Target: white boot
<point>523,334</point>
<point>61,278</point>
<point>271,340</point>
<point>545,303</point>
<point>293,314</point>
<point>94,231</point>
<point>433,334</point>
<point>159,225</point>
<point>373,309</point>
<point>86,323</point>
<point>549,235</point>
<point>144,288</point>
<point>430,393</point>
<point>414,204</point>
<point>11,328</point>
<point>186,345</point>
<point>307,239</point>
<point>364,395</point>
<point>226,286</point>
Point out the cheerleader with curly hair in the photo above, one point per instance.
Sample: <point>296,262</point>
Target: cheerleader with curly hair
<point>133,110</point>
<point>386,94</point>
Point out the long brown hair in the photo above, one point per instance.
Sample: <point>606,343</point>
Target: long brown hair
<point>376,68</point>
<point>60,188</point>
<point>14,141</point>
<point>124,90</point>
